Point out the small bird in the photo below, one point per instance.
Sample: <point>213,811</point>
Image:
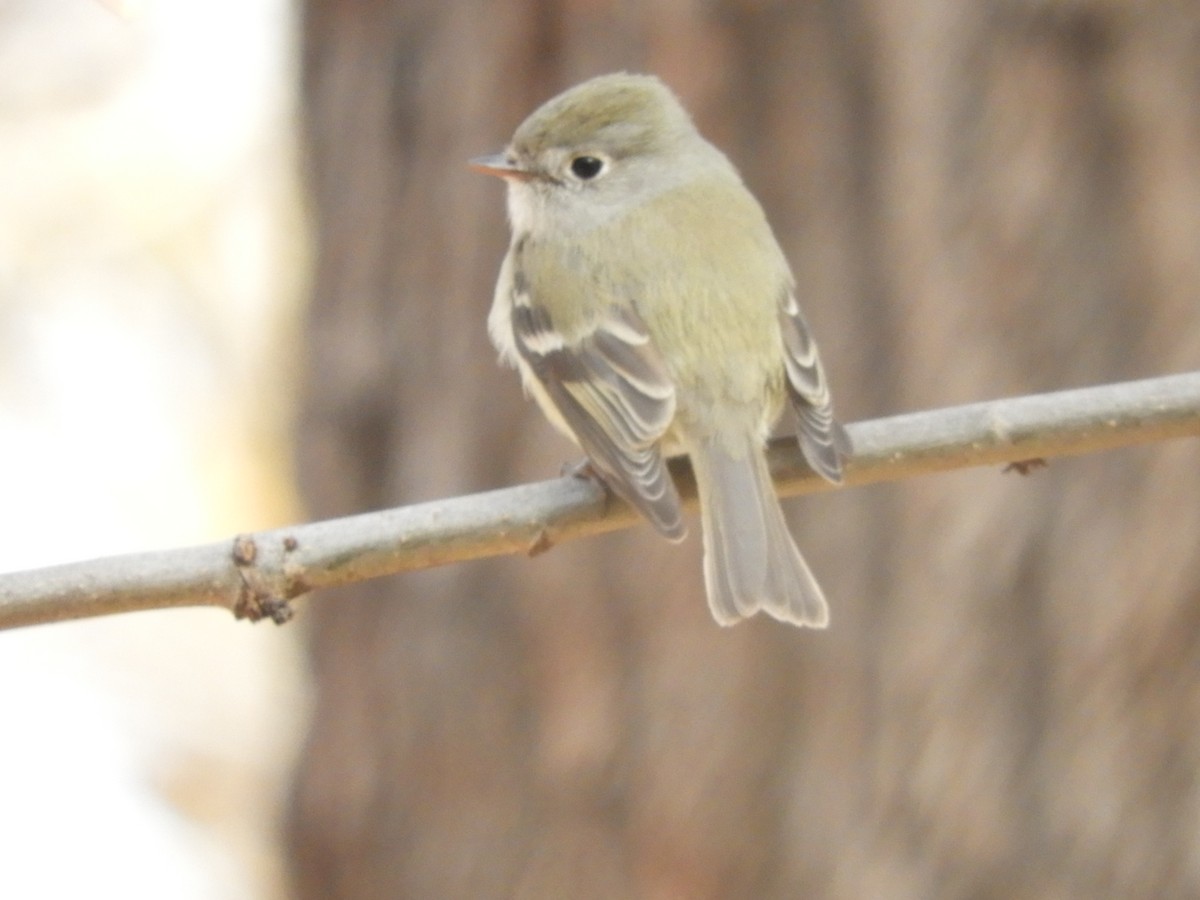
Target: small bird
<point>650,312</point>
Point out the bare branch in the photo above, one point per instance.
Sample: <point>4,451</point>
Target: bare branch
<point>255,575</point>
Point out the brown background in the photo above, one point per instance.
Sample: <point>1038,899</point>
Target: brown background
<point>979,200</point>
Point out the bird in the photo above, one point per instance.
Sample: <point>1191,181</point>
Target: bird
<point>650,312</point>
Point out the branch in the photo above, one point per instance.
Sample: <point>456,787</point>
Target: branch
<point>255,575</point>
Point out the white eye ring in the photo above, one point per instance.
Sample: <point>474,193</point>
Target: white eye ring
<point>585,166</point>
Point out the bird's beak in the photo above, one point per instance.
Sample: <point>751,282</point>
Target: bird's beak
<point>499,165</point>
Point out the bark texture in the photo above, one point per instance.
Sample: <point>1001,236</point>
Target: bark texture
<point>979,200</point>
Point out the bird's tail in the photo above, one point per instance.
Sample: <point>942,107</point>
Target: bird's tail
<point>750,560</point>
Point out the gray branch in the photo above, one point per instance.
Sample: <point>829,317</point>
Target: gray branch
<point>255,575</point>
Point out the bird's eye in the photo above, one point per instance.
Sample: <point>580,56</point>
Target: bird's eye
<point>586,168</point>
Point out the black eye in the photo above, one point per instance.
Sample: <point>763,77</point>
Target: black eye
<point>586,167</point>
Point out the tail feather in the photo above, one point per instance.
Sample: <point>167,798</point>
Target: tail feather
<point>751,563</point>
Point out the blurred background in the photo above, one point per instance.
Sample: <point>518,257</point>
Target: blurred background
<point>243,281</point>
<point>153,258</point>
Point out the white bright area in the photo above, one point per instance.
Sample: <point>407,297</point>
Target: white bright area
<point>151,263</point>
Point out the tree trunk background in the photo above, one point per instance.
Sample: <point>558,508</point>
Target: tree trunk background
<point>979,200</point>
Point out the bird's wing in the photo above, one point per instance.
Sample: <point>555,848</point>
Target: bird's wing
<point>822,439</point>
<point>612,389</point>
